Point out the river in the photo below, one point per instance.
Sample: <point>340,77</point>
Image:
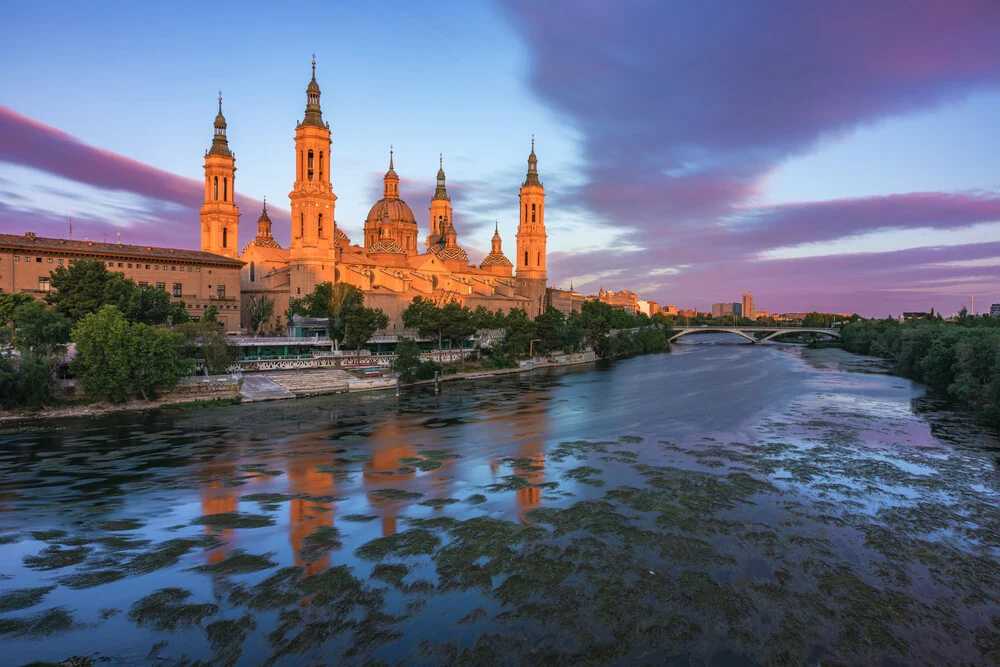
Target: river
<point>721,504</point>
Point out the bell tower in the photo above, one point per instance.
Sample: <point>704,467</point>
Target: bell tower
<point>220,217</point>
<point>531,237</point>
<point>312,249</point>
<point>440,209</point>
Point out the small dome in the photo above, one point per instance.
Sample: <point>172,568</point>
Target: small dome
<point>455,252</point>
<point>263,215</point>
<point>220,120</point>
<point>496,260</point>
<point>395,209</point>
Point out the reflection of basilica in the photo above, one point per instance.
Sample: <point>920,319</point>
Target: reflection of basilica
<point>306,516</point>
<point>530,430</point>
<point>217,498</point>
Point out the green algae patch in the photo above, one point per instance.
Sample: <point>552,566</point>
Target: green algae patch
<point>231,520</point>
<point>166,610</point>
<point>413,542</point>
<point>92,578</point>
<point>48,535</point>
<point>55,557</point>
<point>439,502</point>
<point>42,624</point>
<point>228,635</point>
<point>390,573</point>
<point>239,562</point>
<point>116,525</point>
<point>475,499</point>
<point>359,518</point>
<point>319,543</point>
<point>394,494</point>
<point>168,553</point>
<point>22,598</point>
<point>585,475</point>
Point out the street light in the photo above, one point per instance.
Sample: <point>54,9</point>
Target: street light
<point>531,347</point>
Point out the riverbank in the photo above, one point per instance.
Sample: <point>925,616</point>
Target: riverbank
<point>273,387</point>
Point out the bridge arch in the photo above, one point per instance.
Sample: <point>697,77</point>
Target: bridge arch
<point>695,330</point>
<point>747,332</point>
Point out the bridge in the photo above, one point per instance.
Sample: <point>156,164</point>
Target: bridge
<point>753,334</point>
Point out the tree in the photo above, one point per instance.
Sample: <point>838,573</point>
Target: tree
<point>102,362</point>
<point>550,328</point>
<point>38,331</point>
<point>83,288</point>
<point>9,302</point>
<point>203,341</point>
<point>342,300</point>
<point>146,305</point>
<point>456,323</point>
<point>259,309</point>
<point>211,314</point>
<point>408,362</point>
<point>424,316</point>
<point>115,358</point>
<point>361,323</point>
<point>318,302</point>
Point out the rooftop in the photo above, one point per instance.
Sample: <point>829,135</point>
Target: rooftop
<point>31,242</point>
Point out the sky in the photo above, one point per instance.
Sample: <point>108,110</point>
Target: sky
<point>842,157</point>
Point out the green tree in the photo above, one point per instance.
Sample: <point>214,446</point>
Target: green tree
<point>550,328</point>
<point>155,361</point>
<point>456,323</point>
<point>361,323</point>
<point>83,287</point>
<point>9,302</point>
<point>211,314</point>
<point>204,342</point>
<point>424,316</point>
<point>408,363</point>
<point>103,363</point>
<point>342,301</point>
<point>259,309</point>
<point>40,332</point>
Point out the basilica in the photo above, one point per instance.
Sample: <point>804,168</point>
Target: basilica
<point>389,266</point>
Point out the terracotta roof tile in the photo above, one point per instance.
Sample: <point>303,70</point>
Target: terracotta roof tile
<point>31,242</point>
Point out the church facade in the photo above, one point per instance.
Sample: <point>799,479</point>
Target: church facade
<point>390,266</point>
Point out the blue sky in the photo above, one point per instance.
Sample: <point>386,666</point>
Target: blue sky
<point>685,149</point>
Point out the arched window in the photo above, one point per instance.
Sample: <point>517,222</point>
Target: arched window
<point>225,237</point>
<point>216,188</point>
<point>302,164</point>
<point>532,212</point>
<point>309,162</point>
<point>525,257</point>
<point>319,226</point>
<point>225,189</point>
<point>302,224</point>
<point>538,259</point>
<point>252,272</point>
<point>321,165</point>
<point>525,211</point>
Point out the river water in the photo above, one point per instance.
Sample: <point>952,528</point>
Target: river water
<point>721,504</point>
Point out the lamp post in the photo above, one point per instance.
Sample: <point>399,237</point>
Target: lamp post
<point>531,347</point>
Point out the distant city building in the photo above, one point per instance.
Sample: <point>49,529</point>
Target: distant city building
<point>654,308</point>
<point>995,310</point>
<point>621,300</point>
<point>565,301</point>
<point>687,313</point>
<point>670,309</point>
<point>748,309</point>
<point>727,310</point>
<point>908,315</point>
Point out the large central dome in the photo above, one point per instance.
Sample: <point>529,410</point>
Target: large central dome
<point>396,209</point>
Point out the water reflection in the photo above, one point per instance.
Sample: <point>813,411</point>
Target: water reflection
<point>713,504</point>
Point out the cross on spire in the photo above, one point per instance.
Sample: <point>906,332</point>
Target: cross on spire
<point>220,101</point>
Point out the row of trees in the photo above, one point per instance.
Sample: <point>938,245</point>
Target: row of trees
<point>130,339</point>
<point>350,323</point>
<point>958,359</point>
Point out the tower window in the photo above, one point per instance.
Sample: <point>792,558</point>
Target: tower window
<point>321,165</point>
<point>310,165</point>
<point>252,272</point>
<point>532,212</point>
<point>319,226</point>
<point>525,211</point>
<point>225,189</point>
<point>302,224</point>
<point>216,188</point>
<point>525,257</point>
<point>538,259</point>
<point>225,237</point>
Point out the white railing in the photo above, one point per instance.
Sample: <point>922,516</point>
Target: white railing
<point>277,340</point>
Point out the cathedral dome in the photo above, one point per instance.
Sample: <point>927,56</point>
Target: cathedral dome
<point>395,209</point>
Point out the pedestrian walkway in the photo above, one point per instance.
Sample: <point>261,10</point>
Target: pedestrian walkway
<point>313,381</point>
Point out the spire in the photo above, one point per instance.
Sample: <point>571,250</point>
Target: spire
<point>496,239</point>
<point>220,145</point>
<point>532,178</point>
<point>441,192</point>
<point>314,115</point>
<point>264,223</point>
<point>390,189</point>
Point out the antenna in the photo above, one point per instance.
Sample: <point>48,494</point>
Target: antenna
<point>71,224</point>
